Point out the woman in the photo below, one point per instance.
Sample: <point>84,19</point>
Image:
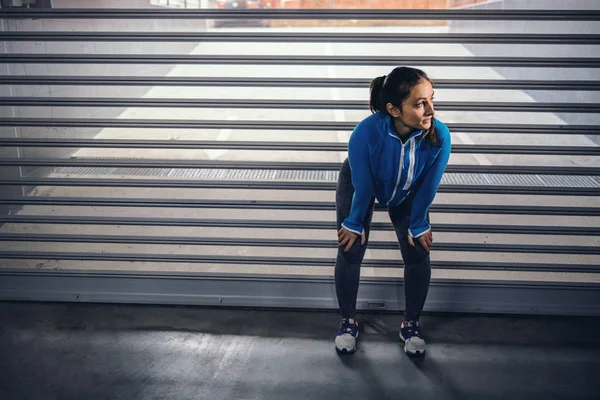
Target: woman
<point>397,155</point>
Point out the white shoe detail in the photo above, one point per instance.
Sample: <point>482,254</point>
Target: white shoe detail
<point>414,345</point>
<point>346,342</point>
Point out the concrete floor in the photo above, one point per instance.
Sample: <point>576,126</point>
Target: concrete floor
<point>82,351</point>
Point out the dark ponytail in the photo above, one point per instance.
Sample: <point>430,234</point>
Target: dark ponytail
<point>394,88</point>
<point>375,99</point>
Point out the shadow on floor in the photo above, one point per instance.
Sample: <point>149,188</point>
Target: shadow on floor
<point>87,351</point>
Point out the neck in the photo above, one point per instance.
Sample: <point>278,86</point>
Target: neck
<point>402,129</point>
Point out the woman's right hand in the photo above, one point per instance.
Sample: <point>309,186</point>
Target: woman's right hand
<point>347,238</point>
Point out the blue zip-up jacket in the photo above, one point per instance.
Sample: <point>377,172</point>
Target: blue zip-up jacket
<point>384,167</point>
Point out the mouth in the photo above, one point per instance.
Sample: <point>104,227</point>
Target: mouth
<point>426,121</point>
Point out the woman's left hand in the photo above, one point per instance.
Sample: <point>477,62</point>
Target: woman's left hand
<point>426,240</point>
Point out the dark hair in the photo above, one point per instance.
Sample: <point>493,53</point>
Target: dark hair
<point>395,88</point>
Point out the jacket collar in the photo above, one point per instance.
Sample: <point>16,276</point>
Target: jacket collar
<point>392,131</point>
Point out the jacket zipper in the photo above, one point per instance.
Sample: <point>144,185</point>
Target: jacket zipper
<point>399,175</point>
<point>411,168</point>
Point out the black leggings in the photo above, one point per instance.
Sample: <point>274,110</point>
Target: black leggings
<point>417,266</point>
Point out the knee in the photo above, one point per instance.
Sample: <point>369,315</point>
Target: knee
<point>354,256</point>
<point>419,265</point>
<point>416,255</point>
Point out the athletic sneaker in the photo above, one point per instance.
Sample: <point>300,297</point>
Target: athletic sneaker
<point>410,334</point>
<point>345,341</point>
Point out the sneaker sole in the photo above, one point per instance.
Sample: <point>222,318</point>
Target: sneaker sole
<point>345,351</point>
<point>409,352</point>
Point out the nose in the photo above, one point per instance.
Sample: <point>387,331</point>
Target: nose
<point>429,108</point>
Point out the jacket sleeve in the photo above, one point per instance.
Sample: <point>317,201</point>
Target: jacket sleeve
<point>362,179</point>
<point>426,191</point>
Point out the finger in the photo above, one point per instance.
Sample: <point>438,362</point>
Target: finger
<point>344,237</point>
<point>410,241</point>
<point>350,243</point>
<point>428,240</point>
<point>343,240</point>
<point>340,232</point>
<point>424,244</point>
<point>363,239</point>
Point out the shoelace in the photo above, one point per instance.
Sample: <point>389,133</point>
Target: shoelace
<point>347,326</point>
<point>417,331</point>
<point>413,328</point>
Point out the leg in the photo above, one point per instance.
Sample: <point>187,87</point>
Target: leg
<point>417,275</point>
<point>417,264</point>
<point>347,265</point>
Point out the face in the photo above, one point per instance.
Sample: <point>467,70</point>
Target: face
<point>417,109</point>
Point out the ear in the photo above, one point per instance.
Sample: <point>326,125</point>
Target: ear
<point>393,110</point>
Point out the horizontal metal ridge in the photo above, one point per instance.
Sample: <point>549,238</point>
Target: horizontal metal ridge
<point>283,261</point>
<point>491,84</point>
<point>304,243</point>
<point>289,125</point>
<point>291,205</point>
<point>285,146</point>
<point>291,185</point>
<point>487,106</point>
<point>288,224</point>
<point>282,165</point>
<point>335,37</point>
<point>367,14</point>
<point>470,61</point>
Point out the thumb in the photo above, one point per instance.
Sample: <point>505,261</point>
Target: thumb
<point>410,241</point>
<point>363,238</point>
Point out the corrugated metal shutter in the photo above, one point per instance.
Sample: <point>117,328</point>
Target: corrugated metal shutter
<point>150,157</point>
